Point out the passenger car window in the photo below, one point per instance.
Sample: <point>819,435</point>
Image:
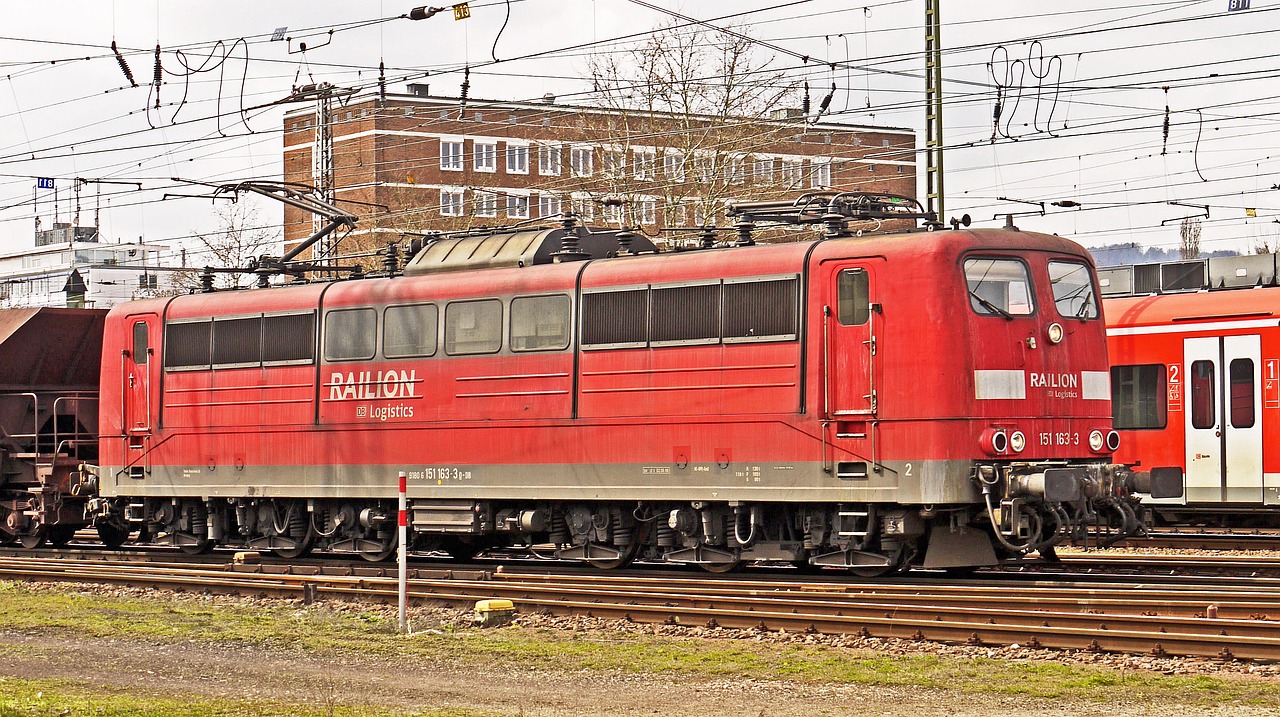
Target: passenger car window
<point>1203,405</point>
<point>1242,413</point>
<point>999,287</point>
<point>1138,396</point>
<point>1072,285</point>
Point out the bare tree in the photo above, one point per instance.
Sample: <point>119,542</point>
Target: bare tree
<point>240,237</point>
<point>687,109</point>
<point>1189,231</point>
<point>1266,244</point>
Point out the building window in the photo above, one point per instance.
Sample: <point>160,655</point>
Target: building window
<point>451,155</point>
<point>549,160</point>
<point>673,166</point>
<point>451,202</point>
<point>486,156</point>
<point>820,174</point>
<point>675,215</point>
<point>646,161</point>
<point>615,162</point>
<point>737,170</point>
<point>612,213</point>
<point>762,170</point>
<point>580,161</point>
<point>585,208</point>
<point>706,168</point>
<point>548,205</point>
<point>701,217</point>
<point>517,206</point>
<point>486,204</point>
<point>792,172</point>
<point>517,159</point>
<point>649,211</point>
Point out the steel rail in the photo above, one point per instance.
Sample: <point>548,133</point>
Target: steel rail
<point>872,610</point>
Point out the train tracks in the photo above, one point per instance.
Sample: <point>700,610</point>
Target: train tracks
<point>1226,618</point>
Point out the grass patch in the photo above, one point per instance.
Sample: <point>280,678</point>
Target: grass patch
<point>352,634</point>
<point>29,698</point>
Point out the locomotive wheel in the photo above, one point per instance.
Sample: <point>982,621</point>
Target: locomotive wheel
<point>34,539</point>
<point>199,548</point>
<point>720,567</point>
<point>112,536</point>
<point>303,547</point>
<point>381,553</point>
<point>60,535</point>
<point>628,555</point>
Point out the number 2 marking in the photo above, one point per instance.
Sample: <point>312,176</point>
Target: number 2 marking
<point>908,469</point>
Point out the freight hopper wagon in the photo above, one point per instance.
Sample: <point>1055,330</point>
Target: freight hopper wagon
<point>49,374</point>
<point>874,402</point>
<point>1195,353</point>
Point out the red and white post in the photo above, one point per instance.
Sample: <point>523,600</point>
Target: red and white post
<point>404,551</point>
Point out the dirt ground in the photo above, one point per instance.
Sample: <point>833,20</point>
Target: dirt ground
<point>214,671</point>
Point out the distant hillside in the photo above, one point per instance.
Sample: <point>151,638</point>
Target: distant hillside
<point>1132,253</point>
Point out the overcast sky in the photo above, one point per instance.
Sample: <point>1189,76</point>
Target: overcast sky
<point>1082,88</point>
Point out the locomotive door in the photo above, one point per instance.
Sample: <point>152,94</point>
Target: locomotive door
<point>1223,421</point>
<point>849,324</point>
<point>138,368</point>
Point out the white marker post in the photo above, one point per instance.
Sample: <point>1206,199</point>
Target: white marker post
<point>404,551</point>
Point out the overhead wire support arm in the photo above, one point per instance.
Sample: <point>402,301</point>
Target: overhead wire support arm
<point>1204,207</point>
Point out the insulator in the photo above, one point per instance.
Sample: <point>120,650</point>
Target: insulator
<point>804,104</point>
<point>466,89</point>
<point>391,259</point>
<point>745,227</point>
<point>1164,149</point>
<point>625,237</point>
<point>382,82</point>
<point>124,66</point>
<point>708,237</point>
<point>156,80</point>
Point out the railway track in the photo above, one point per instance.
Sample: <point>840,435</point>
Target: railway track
<point>1207,539</point>
<point>1162,618</point>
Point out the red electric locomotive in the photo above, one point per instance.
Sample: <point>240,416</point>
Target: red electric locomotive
<point>924,398</point>
<point>1196,382</point>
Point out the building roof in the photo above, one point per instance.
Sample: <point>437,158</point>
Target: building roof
<point>540,105</point>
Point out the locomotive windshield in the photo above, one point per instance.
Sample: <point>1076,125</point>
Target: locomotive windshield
<point>999,287</point>
<point>1072,286</point>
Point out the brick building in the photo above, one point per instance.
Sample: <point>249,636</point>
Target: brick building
<point>419,163</point>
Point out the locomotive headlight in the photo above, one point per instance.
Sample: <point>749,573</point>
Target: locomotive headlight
<point>1113,441</point>
<point>994,441</point>
<point>1096,441</point>
<point>1055,333</point>
<point>1017,441</point>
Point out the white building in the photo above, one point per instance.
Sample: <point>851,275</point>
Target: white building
<point>69,267</point>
